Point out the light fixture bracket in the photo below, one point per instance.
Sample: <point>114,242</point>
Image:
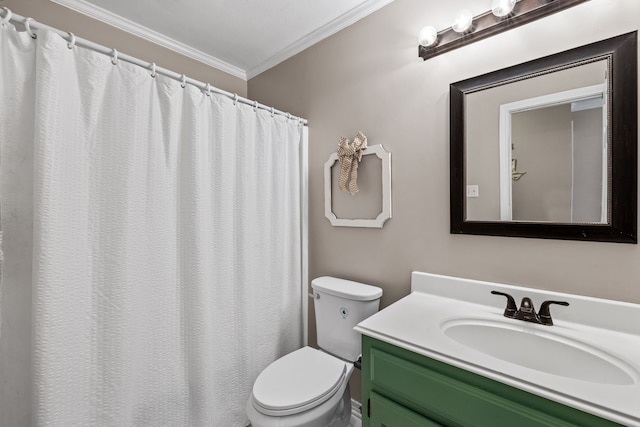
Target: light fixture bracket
<point>487,24</point>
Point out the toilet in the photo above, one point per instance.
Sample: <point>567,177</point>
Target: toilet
<point>310,387</point>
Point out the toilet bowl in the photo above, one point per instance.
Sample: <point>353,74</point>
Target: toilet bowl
<point>310,387</point>
<point>305,388</point>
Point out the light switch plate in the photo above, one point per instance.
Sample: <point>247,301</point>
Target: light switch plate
<point>473,191</point>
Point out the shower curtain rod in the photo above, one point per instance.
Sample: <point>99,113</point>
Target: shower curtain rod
<point>30,24</point>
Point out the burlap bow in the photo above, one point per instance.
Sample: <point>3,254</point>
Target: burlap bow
<point>350,154</point>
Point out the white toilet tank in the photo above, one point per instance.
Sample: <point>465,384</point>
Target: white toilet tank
<point>340,305</point>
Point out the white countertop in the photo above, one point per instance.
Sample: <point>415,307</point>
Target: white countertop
<point>416,323</point>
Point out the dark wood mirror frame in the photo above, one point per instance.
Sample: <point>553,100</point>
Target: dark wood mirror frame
<point>621,54</point>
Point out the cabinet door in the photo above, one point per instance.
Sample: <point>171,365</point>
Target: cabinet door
<point>387,413</point>
<point>452,396</point>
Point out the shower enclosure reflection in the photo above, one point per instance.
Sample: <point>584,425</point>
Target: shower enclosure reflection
<point>560,140</point>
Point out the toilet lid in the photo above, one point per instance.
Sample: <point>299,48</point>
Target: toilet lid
<point>306,376</point>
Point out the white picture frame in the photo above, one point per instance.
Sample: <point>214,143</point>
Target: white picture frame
<point>385,210</point>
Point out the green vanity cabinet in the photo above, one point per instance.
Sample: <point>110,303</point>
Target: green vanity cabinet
<point>401,388</point>
<point>389,413</point>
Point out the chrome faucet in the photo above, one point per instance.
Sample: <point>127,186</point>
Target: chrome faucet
<point>527,312</point>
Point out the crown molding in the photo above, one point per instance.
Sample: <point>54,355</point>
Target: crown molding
<point>343,21</point>
<point>327,30</point>
<point>103,15</point>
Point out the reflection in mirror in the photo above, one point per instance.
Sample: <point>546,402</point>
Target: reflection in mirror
<point>536,124</point>
<point>563,144</point>
<point>548,148</point>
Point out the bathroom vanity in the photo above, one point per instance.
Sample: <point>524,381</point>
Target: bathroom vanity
<point>446,356</point>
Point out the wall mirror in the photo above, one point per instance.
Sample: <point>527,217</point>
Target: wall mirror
<point>548,148</point>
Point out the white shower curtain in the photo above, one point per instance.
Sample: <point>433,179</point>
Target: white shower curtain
<point>163,261</point>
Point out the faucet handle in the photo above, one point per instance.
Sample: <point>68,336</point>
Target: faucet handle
<point>545,314</point>
<point>511,309</point>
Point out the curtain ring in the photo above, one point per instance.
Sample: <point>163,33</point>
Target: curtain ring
<point>7,17</point>
<point>114,57</point>
<point>72,41</point>
<point>255,106</point>
<point>235,99</point>
<point>273,112</point>
<point>289,116</point>
<point>183,81</point>
<point>27,26</point>
<point>207,90</point>
<point>153,70</point>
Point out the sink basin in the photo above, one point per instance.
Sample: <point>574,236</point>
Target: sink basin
<point>528,346</point>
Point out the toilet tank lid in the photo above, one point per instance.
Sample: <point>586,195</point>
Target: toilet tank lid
<point>346,288</point>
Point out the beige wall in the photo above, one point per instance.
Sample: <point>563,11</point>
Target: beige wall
<point>368,77</point>
<point>65,19</point>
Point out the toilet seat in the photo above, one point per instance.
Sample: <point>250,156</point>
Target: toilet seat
<point>297,382</point>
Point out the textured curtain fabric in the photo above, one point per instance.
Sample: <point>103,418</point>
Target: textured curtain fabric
<point>152,233</point>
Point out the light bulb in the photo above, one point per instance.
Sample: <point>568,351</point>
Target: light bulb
<point>502,8</point>
<point>463,21</point>
<point>428,36</point>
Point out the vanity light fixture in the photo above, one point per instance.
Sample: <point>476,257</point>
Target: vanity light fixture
<point>504,15</point>
<point>428,36</point>
<point>463,21</point>
<point>502,8</point>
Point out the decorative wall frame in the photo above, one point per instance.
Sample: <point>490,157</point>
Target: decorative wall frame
<point>385,209</point>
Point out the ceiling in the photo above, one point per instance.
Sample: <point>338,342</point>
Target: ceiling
<point>240,37</point>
